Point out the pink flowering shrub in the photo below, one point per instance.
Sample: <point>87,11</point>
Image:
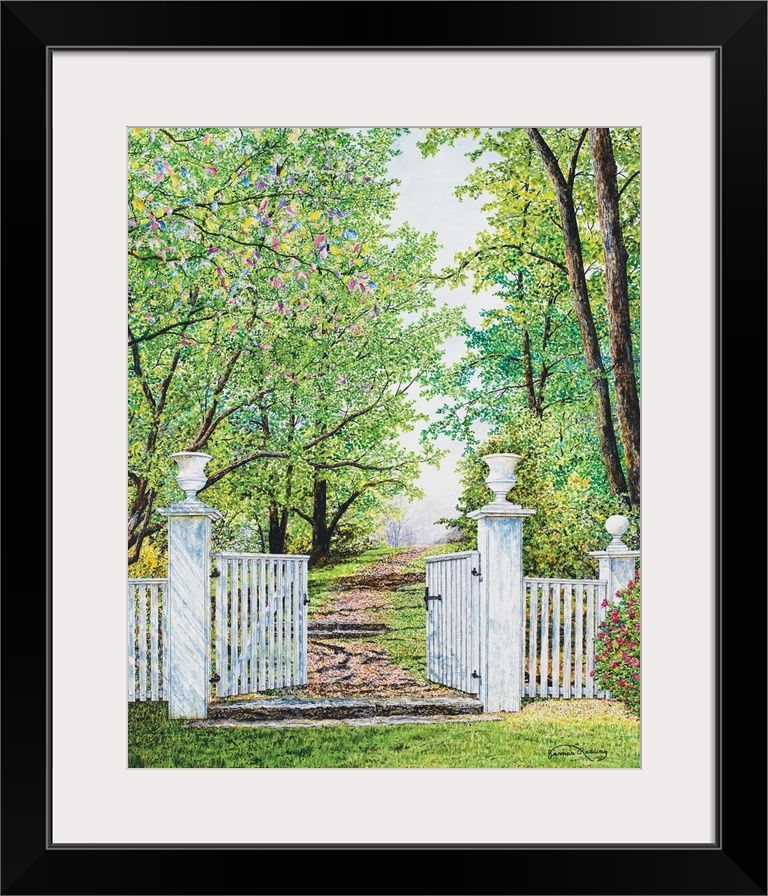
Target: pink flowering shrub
<point>617,660</point>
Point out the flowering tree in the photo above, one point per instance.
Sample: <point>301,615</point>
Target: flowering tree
<point>274,319</point>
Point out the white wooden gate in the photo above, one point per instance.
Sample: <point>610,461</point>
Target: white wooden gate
<point>259,628</point>
<point>452,597</point>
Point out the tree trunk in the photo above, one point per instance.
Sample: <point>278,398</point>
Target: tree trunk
<point>617,302</point>
<point>278,526</point>
<point>321,534</point>
<point>534,405</point>
<point>574,261</point>
<point>139,516</point>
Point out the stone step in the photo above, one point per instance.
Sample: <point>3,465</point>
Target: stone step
<point>350,723</point>
<point>315,709</point>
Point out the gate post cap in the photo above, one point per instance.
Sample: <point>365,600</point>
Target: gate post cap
<point>616,526</point>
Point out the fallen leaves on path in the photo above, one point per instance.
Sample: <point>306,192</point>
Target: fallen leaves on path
<point>347,668</point>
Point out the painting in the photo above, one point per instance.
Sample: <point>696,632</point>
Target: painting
<point>396,372</point>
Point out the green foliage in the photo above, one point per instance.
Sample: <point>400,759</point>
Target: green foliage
<point>571,508</point>
<point>153,559</point>
<point>524,378</point>
<point>276,320</point>
<point>617,661</point>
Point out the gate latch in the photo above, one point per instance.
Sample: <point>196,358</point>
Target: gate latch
<point>428,597</point>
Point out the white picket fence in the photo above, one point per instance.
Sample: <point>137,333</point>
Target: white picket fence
<point>562,616</point>
<point>453,615</point>
<point>147,639</point>
<point>258,627</point>
<point>260,622</point>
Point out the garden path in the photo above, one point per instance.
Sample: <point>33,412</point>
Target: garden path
<point>356,665</point>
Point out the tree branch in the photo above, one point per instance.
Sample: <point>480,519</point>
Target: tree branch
<point>575,157</point>
<point>181,324</point>
<point>628,181</point>
<point>139,373</point>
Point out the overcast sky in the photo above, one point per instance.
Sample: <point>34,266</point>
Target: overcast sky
<point>428,203</point>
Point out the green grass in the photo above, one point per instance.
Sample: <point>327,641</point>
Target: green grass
<point>520,740</point>
<point>406,638</point>
<point>419,564</point>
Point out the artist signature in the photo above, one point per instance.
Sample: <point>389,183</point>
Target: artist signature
<point>573,750</point>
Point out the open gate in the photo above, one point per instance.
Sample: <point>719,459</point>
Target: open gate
<point>259,622</point>
<point>452,597</point>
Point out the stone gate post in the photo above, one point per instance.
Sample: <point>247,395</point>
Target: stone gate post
<point>189,603</point>
<point>617,561</point>
<point>502,599</point>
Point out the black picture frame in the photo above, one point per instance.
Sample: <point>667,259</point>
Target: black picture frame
<point>736,861</point>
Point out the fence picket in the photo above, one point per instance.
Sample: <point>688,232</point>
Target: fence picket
<point>567,611</point>
<point>154,626</point>
<point>430,626</point>
<point>243,607</point>
<point>557,598</point>
<point>523,605</point>
<point>533,591</point>
<point>142,642</point>
<point>546,588</point>
<point>234,635</point>
<point>451,607</point>
<point>304,613</point>
<point>263,573</point>
<point>579,641</point>
<point>254,639</point>
<point>287,649</point>
<point>590,645</point>
<point>131,642</point>
<point>271,581</point>
<point>279,623</point>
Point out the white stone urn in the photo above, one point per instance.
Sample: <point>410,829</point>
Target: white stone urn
<point>191,476</point>
<point>501,477</point>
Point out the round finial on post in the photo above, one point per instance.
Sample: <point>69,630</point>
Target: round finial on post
<point>616,526</point>
<point>191,476</point>
<point>501,477</point>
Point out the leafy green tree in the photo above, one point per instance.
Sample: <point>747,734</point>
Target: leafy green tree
<point>276,320</point>
<point>545,254</point>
